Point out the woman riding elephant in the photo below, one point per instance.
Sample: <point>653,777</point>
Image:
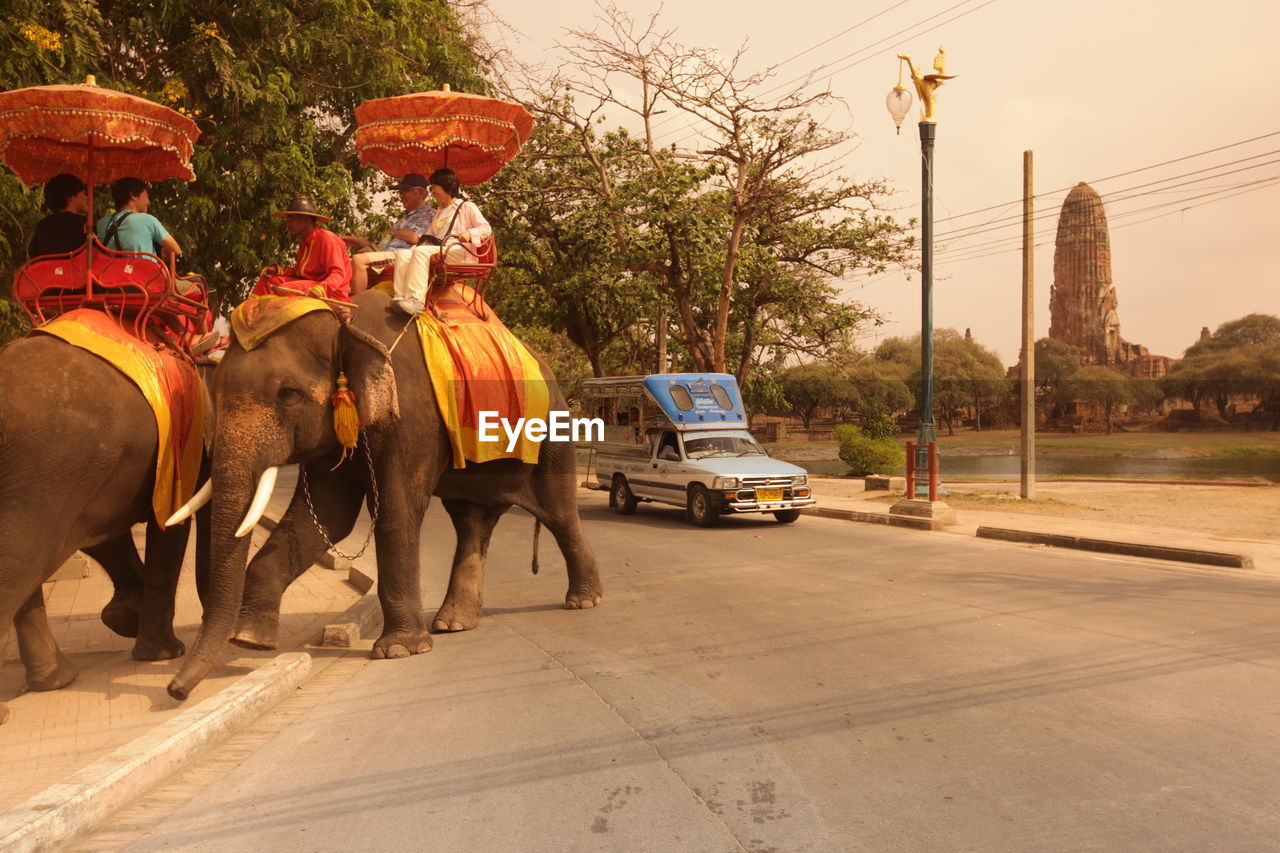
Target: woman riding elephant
<point>273,408</point>
<point>78,453</point>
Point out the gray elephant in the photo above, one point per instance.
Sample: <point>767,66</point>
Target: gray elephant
<point>273,408</point>
<point>78,445</point>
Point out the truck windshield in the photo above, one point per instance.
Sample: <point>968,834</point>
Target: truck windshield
<point>699,445</point>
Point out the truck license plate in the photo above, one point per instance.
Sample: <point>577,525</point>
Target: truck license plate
<point>768,495</point>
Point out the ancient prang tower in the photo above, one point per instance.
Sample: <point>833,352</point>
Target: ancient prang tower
<point>1082,302</point>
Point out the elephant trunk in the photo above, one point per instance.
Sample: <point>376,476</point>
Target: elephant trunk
<point>229,555</point>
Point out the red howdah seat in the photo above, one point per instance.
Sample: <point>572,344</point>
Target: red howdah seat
<point>134,286</point>
<point>444,274</point>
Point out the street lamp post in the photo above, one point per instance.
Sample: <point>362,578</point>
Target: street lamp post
<point>899,104</point>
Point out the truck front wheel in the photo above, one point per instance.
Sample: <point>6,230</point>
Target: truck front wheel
<point>700,509</point>
<point>620,497</point>
<point>786,516</point>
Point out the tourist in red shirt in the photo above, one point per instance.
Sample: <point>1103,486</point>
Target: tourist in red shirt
<point>323,267</point>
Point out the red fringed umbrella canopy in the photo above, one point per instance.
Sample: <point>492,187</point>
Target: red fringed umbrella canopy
<point>470,134</point>
<point>96,134</point>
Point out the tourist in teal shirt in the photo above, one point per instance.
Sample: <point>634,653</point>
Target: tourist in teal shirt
<point>138,231</point>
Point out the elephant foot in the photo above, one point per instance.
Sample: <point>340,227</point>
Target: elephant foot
<point>401,644</point>
<point>4,713</point>
<point>121,614</point>
<point>453,616</point>
<point>582,599</point>
<point>259,632</point>
<point>166,649</point>
<point>62,675</point>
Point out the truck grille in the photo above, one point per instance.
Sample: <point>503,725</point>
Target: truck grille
<point>765,482</point>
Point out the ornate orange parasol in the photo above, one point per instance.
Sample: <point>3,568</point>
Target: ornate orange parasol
<point>473,135</point>
<point>96,134</point>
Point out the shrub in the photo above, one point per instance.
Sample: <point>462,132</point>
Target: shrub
<point>880,425</point>
<point>866,455</point>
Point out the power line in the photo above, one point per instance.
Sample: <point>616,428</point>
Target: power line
<point>796,56</point>
<point>1265,183</point>
<point>1017,218</point>
<point>1119,174</point>
<point>1017,239</point>
<point>873,44</point>
<point>961,233</point>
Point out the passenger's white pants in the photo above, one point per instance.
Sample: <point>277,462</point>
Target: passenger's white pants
<point>413,270</point>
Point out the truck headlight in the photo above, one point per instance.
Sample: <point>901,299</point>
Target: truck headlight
<point>800,481</point>
<point>725,483</point>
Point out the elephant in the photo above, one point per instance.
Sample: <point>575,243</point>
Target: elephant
<point>78,444</point>
<point>272,406</point>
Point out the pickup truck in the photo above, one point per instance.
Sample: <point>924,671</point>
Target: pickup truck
<point>682,439</point>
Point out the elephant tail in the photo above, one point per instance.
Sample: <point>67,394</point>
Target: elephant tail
<point>537,528</point>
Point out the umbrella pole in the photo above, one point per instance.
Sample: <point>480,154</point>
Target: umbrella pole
<point>88,226</point>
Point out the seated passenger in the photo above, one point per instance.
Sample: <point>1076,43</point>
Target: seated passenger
<point>457,222</point>
<point>131,228</point>
<point>404,234</point>
<point>322,267</point>
<point>62,230</point>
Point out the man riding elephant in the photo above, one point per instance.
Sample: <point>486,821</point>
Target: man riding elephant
<point>323,267</point>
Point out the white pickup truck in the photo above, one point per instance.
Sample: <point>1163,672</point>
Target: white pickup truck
<point>682,439</point>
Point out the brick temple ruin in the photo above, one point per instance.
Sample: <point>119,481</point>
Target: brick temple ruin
<point>1082,302</point>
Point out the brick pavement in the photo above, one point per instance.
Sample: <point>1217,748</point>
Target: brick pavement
<point>115,699</point>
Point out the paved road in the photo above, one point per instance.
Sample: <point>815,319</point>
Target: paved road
<point>819,686</point>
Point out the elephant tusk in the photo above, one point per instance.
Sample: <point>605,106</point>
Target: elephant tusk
<point>189,508</point>
<point>266,483</point>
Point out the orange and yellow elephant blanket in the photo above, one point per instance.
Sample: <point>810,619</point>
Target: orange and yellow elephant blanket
<point>260,317</point>
<point>169,383</point>
<point>476,365</point>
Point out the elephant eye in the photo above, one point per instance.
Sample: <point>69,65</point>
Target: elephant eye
<point>289,394</point>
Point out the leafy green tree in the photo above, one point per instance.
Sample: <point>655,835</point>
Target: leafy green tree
<point>809,387</point>
<point>272,85</point>
<point>1099,385</point>
<point>964,372</point>
<point>882,388</point>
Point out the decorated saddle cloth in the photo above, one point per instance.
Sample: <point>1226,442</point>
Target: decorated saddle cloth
<point>260,317</point>
<point>169,383</point>
<point>476,365</point>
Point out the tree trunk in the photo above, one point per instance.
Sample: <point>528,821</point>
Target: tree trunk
<point>721,333</point>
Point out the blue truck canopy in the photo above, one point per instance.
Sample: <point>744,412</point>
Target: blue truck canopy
<point>687,400</point>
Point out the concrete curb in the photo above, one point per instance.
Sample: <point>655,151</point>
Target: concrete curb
<point>92,794</point>
<point>1127,549</point>
<point>872,517</point>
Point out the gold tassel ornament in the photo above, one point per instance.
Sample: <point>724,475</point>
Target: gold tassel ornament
<point>346,420</point>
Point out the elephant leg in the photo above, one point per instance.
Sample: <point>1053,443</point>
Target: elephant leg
<point>293,547</point>
<point>119,557</point>
<point>585,588</point>
<point>403,496</point>
<point>463,604</point>
<point>47,668</point>
<point>163,566</point>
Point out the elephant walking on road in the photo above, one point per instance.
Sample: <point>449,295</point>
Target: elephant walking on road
<point>273,408</point>
<point>78,445</point>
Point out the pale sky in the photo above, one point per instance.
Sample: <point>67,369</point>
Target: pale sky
<point>1093,87</point>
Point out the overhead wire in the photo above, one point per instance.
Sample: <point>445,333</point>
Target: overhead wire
<point>1253,186</point>
<point>1017,239</point>
<point>1117,175</point>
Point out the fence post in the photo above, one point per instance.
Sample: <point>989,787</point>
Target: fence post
<point>911,470</point>
<point>933,471</point>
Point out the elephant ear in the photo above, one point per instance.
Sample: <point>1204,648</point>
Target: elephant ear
<point>367,363</point>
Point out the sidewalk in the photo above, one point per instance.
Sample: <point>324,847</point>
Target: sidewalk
<point>849,494</point>
<point>116,699</point>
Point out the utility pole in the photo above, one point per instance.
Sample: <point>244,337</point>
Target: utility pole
<point>1027,370</point>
